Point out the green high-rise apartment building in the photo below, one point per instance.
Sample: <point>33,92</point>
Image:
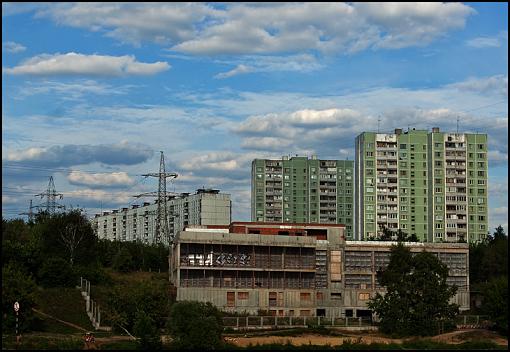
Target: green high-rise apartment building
<point>431,184</point>
<point>303,190</point>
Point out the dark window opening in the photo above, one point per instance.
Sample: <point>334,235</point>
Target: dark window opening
<point>349,313</point>
<point>283,233</point>
<point>321,312</point>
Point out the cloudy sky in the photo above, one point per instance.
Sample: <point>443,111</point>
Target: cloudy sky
<point>92,92</point>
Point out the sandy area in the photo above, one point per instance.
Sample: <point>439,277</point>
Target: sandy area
<point>305,339</point>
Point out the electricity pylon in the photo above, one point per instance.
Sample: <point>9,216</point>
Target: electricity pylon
<point>162,230</point>
<point>51,196</point>
<point>30,212</point>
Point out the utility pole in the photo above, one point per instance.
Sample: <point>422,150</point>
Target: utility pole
<point>162,230</point>
<point>30,212</point>
<point>51,196</point>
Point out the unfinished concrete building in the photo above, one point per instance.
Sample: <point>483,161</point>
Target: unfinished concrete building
<point>292,269</point>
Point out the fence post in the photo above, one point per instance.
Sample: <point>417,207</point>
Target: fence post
<point>247,322</point>
<point>290,322</point>
<point>98,318</point>
<point>304,321</point>
<point>477,319</point>
<point>346,321</point>
<point>237,322</point>
<point>319,320</point>
<point>81,283</point>
<point>465,317</point>
<point>275,322</point>
<point>359,321</point>
<point>261,324</point>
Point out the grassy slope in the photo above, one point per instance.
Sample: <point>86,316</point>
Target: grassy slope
<point>63,303</point>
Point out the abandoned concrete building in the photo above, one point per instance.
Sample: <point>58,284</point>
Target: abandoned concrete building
<point>292,269</point>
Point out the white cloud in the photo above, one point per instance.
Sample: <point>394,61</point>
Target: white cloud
<point>12,47</point>
<point>263,28</point>
<point>258,63</point>
<point>240,69</point>
<point>100,195</point>
<point>488,42</point>
<point>88,65</point>
<point>123,153</point>
<point>71,90</point>
<point>100,179</point>
<point>163,23</point>
<point>497,84</point>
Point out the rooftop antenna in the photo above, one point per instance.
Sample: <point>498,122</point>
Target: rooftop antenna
<point>457,124</point>
<point>378,122</point>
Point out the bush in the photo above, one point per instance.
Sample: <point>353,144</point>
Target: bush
<point>94,273</point>
<point>195,325</point>
<point>123,261</point>
<point>56,272</point>
<point>145,329</point>
<point>17,286</point>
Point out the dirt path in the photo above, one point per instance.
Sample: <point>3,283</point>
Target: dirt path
<point>455,337</point>
<point>61,321</point>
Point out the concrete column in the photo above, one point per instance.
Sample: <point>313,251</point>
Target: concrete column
<point>465,317</point>
<point>87,303</point>
<point>359,319</point>
<point>81,283</point>
<point>261,321</point>
<point>346,321</point>
<point>290,321</point>
<point>275,322</point>
<point>477,319</point>
<point>246,321</point>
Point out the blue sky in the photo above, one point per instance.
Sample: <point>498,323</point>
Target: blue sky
<point>92,92</point>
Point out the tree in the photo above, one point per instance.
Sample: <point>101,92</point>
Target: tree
<point>67,235</point>
<point>399,235</point>
<point>195,325</point>
<point>17,286</point>
<point>417,297</point>
<point>495,302</point>
<point>56,272</point>
<point>145,329</point>
<point>123,261</point>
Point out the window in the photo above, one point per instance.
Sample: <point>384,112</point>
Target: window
<point>231,299</point>
<point>305,296</point>
<point>363,296</point>
<point>336,295</point>
<point>320,296</point>
<point>403,146</point>
<point>242,295</point>
<point>272,299</point>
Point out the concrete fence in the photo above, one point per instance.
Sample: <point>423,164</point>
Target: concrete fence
<point>92,307</point>
<point>349,323</point>
<point>267,322</point>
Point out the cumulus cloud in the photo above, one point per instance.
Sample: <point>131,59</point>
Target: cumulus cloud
<point>248,28</point>
<point>100,195</point>
<point>123,153</point>
<point>88,65</point>
<point>114,179</point>
<point>12,47</point>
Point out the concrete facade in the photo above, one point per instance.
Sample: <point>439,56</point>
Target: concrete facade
<point>303,190</point>
<point>431,184</point>
<point>292,270</point>
<point>138,223</point>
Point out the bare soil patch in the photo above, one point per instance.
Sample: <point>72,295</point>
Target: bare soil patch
<point>455,337</point>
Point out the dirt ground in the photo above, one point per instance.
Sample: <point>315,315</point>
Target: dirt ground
<point>367,338</point>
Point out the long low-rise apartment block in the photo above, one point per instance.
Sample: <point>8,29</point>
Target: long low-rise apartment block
<point>138,223</point>
<point>292,269</point>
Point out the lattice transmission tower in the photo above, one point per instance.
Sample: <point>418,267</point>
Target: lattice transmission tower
<point>51,198</point>
<point>162,230</point>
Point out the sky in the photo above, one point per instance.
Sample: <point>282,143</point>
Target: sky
<point>92,92</point>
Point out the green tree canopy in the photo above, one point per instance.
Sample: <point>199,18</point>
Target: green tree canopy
<point>417,297</point>
<point>195,325</point>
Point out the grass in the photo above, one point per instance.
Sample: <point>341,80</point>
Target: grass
<point>63,303</point>
<point>37,342</point>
